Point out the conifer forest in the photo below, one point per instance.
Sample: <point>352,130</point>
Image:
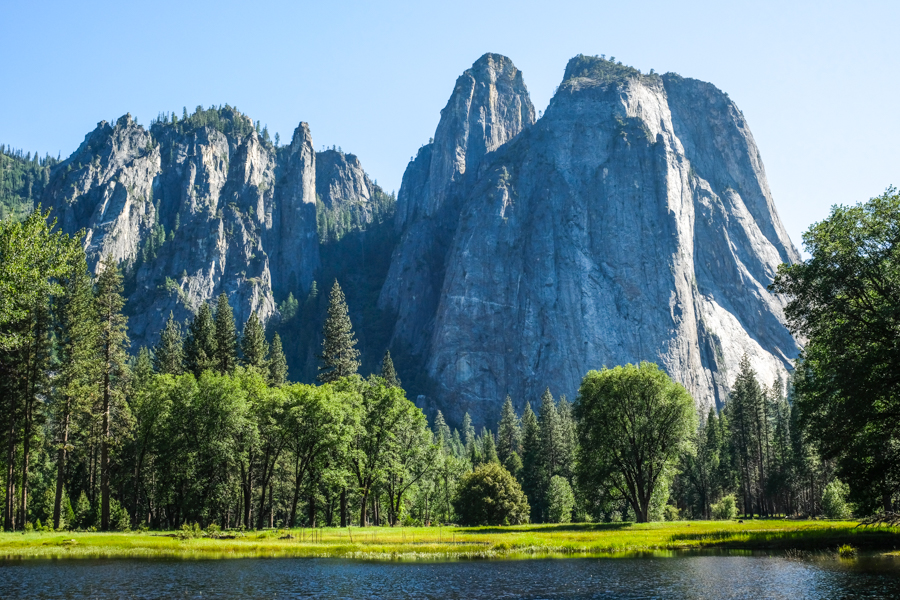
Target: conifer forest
<point>208,427</point>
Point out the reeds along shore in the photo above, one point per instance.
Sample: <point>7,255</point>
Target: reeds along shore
<point>539,541</point>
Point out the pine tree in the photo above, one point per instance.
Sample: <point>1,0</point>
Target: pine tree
<point>78,353</point>
<point>488,448</point>
<point>509,434</point>
<point>169,353</point>
<point>441,431</point>
<point>531,461</point>
<point>200,345</point>
<point>551,442</point>
<point>254,347</point>
<point>114,355</point>
<point>226,337</point>
<point>278,369</point>
<point>142,371</point>
<point>568,439</point>
<point>339,355</point>
<point>387,370</point>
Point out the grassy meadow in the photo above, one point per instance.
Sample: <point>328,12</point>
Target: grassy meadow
<point>431,543</point>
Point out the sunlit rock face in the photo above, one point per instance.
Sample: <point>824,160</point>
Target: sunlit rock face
<point>632,222</point>
<point>191,212</point>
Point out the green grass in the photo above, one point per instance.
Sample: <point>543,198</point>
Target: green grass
<point>382,543</point>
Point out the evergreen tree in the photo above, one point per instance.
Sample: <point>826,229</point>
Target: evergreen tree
<point>532,477</point>
<point>142,371</point>
<point>254,347</point>
<point>78,353</point>
<point>339,355</point>
<point>169,353</point>
<point>551,438</point>
<point>387,370</point>
<point>509,434</point>
<point>278,368</point>
<point>200,345</point>
<point>468,431</point>
<point>226,337</point>
<point>114,355</point>
<point>488,448</point>
<point>568,439</point>
<point>745,407</point>
<point>442,435</point>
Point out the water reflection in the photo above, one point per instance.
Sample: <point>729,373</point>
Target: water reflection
<point>655,577</point>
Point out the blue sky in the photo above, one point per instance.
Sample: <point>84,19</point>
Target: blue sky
<point>817,81</point>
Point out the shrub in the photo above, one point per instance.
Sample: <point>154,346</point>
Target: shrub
<point>834,500</point>
<point>562,500</point>
<point>672,513</point>
<point>847,551</point>
<point>490,496</point>
<point>118,516</point>
<point>724,509</point>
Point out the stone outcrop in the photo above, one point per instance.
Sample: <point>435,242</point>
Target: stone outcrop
<point>632,222</point>
<point>192,209</point>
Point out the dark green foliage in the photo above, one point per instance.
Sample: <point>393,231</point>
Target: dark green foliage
<point>169,353</point>
<point>509,434</point>
<point>560,500</point>
<point>600,69</point>
<point>387,370</point>
<point>339,353</point>
<point>226,336</point>
<point>290,307</point>
<point>844,300</point>
<point>335,222</point>
<point>225,119</point>
<point>532,463</point>
<point>113,341</point>
<point>634,422</point>
<point>22,180</point>
<point>490,496</point>
<point>200,344</point>
<point>278,368</point>
<point>254,348</point>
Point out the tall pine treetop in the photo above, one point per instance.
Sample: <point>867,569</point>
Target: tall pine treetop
<point>387,370</point>
<point>278,369</point>
<point>169,353</point>
<point>226,336</point>
<point>339,357</point>
<point>200,345</point>
<point>253,344</point>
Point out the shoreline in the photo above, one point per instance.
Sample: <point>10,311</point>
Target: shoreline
<point>613,540</point>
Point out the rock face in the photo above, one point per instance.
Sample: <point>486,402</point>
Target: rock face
<point>632,222</point>
<point>192,209</point>
<point>348,199</point>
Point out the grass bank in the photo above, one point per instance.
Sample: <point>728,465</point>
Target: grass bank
<point>411,543</point>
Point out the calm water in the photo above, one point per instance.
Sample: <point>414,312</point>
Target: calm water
<point>679,577</point>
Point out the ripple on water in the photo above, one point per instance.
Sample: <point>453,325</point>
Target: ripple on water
<point>654,577</point>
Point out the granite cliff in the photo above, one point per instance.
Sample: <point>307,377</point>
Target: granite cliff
<point>632,221</point>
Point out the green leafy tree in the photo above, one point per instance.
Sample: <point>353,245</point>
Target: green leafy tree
<point>633,424</point>
<point>834,500</point>
<point>169,353</point>
<point>200,344</point>
<point>339,353</point>
<point>226,336</point>
<point>844,301</point>
<point>113,341</point>
<point>490,496</point>
<point>254,347</point>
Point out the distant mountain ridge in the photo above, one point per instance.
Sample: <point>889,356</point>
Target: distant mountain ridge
<point>632,221</point>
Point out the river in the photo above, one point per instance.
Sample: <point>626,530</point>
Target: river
<point>647,577</point>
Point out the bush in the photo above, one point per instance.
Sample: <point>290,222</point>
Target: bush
<point>562,500</point>
<point>724,509</point>
<point>118,516</point>
<point>490,496</point>
<point>834,500</point>
<point>672,513</point>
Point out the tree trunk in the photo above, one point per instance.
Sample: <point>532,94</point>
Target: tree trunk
<point>9,518</point>
<point>104,446</point>
<point>344,507</point>
<point>312,510</point>
<point>362,510</point>
<point>61,464</point>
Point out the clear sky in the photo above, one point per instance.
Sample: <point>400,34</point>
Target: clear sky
<point>817,80</point>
